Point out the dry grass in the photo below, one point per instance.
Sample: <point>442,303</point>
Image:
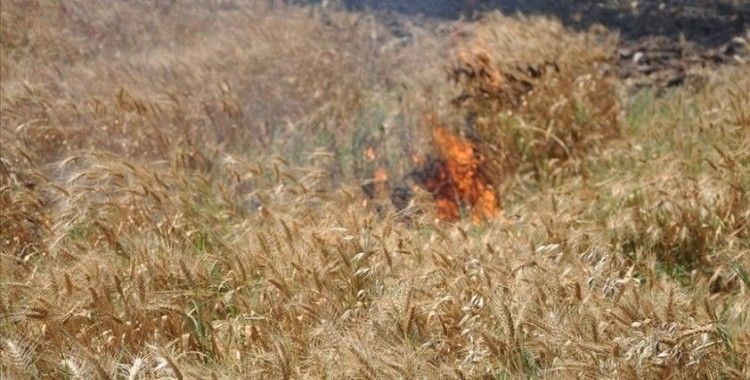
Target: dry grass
<point>179,198</point>
<point>552,100</point>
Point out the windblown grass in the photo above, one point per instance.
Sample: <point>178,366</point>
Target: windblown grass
<point>180,199</point>
<point>533,95</point>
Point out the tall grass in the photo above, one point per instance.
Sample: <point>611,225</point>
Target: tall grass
<point>533,95</point>
<point>179,197</point>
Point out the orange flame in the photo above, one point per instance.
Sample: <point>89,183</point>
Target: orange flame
<point>380,176</point>
<point>457,179</point>
<point>370,154</point>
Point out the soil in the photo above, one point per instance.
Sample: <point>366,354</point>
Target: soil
<point>660,41</point>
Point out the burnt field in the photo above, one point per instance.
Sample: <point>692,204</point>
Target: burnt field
<point>671,36</point>
<point>360,189</point>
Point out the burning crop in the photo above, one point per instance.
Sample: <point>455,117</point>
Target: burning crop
<point>548,104</point>
<point>552,100</point>
<point>178,200</point>
<point>455,178</point>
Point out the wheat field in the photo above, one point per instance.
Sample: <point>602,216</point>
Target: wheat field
<point>246,189</point>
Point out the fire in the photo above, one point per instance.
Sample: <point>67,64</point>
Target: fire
<point>370,154</point>
<point>452,175</point>
<point>380,176</point>
<point>377,186</point>
<point>477,66</point>
<point>456,180</point>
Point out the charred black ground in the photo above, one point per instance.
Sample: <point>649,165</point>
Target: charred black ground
<point>660,40</point>
<point>708,23</point>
